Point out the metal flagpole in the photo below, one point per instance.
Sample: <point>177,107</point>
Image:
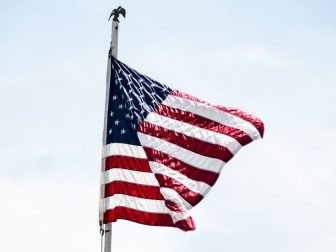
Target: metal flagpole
<point>107,229</point>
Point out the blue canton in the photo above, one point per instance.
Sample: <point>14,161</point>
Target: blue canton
<point>132,97</point>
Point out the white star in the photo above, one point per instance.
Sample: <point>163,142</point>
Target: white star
<point>119,79</point>
<point>142,111</point>
<point>122,132</point>
<point>132,116</point>
<point>112,113</point>
<point>153,94</point>
<point>110,131</point>
<point>116,122</point>
<point>127,116</point>
<point>133,126</point>
<point>120,106</point>
<point>114,97</point>
<point>141,80</point>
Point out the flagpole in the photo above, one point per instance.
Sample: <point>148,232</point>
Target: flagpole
<point>107,228</point>
<point>114,53</point>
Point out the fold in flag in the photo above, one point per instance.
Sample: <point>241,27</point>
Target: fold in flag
<point>164,149</point>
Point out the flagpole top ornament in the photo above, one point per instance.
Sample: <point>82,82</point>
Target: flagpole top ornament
<point>116,12</point>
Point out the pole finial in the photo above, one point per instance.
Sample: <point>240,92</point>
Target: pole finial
<point>116,12</point>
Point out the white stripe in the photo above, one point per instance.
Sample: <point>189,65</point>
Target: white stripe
<point>193,131</point>
<point>137,177</point>
<point>116,149</point>
<point>184,155</point>
<point>172,195</point>
<point>212,113</point>
<point>195,186</point>
<point>144,205</point>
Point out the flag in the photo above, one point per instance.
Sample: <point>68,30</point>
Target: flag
<point>163,149</point>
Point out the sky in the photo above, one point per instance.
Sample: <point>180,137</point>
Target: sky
<point>274,59</point>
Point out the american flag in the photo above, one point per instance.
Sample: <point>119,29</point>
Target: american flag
<point>163,149</point>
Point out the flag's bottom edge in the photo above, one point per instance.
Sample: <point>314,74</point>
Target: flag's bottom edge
<point>145,218</point>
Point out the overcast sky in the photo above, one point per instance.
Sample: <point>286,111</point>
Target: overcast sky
<point>274,59</point>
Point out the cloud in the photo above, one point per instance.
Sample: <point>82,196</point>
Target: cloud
<point>45,212</point>
<point>263,56</point>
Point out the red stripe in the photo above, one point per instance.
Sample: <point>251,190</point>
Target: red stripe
<point>256,122</point>
<point>173,206</point>
<point>131,189</point>
<point>243,115</point>
<point>186,224</point>
<point>190,143</point>
<point>191,197</point>
<point>152,219</point>
<point>183,168</point>
<point>203,123</point>
<point>187,96</point>
<point>129,163</point>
